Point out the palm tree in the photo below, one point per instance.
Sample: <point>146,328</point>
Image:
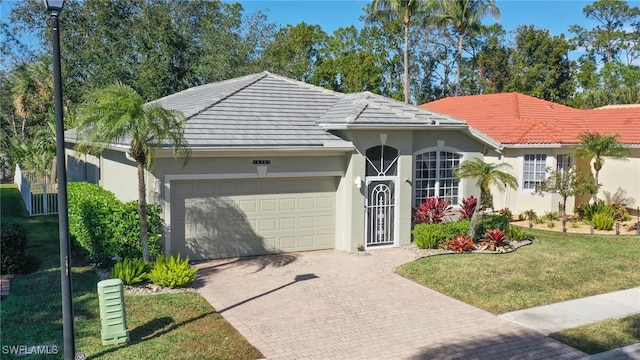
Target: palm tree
<point>32,91</point>
<point>465,16</point>
<point>404,10</point>
<point>597,147</point>
<point>487,175</point>
<point>118,113</point>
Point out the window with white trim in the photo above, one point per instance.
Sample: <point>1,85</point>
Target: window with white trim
<point>434,176</point>
<point>564,162</point>
<point>534,170</point>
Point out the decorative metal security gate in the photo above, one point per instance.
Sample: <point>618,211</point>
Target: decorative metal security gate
<point>382,165</point>
<point>380,212</point>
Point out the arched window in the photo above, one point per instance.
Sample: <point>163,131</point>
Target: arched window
<point>434,176</point>
<point>382,161</point>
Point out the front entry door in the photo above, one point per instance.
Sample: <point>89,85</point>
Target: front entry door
<point>380,211</point>
<point>380,190</point>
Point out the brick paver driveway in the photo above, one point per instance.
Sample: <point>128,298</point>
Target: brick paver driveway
<point>332,305</point>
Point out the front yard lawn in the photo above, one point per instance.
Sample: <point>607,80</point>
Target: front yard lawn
<point>556,267</point>
<point>167,326</point>
<point>603,335</point>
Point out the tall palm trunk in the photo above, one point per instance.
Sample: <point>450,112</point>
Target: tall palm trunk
<point>142,212</point>
<point>595,183</point>
<point>407,23</point>
<point>459,74</point>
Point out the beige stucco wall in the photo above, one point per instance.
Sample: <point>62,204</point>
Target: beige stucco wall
<point>625,175</point>
<point>520,200</point>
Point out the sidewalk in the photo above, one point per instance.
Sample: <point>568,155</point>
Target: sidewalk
<point>569,314</point>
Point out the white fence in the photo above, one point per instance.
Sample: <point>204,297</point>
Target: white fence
<point>39,195</point>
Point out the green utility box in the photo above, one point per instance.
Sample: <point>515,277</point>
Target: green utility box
<point>112,313</point>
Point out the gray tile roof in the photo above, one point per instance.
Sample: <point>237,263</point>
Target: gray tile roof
<point>267,110</point>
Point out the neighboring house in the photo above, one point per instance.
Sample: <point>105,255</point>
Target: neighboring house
<point>279,166</point>
<point>537,135</point>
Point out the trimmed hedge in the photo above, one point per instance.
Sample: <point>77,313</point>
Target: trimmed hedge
<point>104,227</point>
<point>491,221</point>
<point>13,245</point>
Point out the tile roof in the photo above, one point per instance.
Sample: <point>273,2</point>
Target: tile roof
<point>266,110</point>
<point>514,118</point>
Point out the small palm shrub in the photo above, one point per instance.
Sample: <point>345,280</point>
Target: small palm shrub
<point>468,207</point>
<point>172,272</point>
<point>551,216</point>
<point>515,233</point>
<point>586,211</point>
<point>431,236</point>
<point>603,222</point>
<point>130,271</point>
<point>460,244</point>
<point>432,211</point>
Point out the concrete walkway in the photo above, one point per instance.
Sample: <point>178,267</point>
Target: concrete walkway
<point>331,305</point>
<point>569,314</point>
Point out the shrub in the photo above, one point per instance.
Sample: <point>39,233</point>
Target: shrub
<point>515,233</point>
<point>602,222</point>
<point>551,224</point>
<point>551,216</point>
<point>531,214</point>
<point>506,212</point>
<point>104,227</point>
<point>432,211</point>
<point>460,244</point>
<point>468,207</point>
<point>620,197</point>
<point>430,236</point>
<point>494,239</point>
<point>130,271</point>
<point>586,211</point>
<point>172,272</point>
<point>13,244</point>
<point>491,221</point>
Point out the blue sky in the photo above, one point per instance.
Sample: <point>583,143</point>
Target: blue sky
<point>556,15</point>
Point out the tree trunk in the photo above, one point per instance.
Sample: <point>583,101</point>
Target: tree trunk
<point>595,183</point>
<point>459,74</point>
<point>406,60</point>
<point>142,212</point>
<point>475,220</point>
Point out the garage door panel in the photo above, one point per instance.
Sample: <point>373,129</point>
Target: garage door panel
<point>287,204</point>
<point>287,224</point>
<point>267,205</point>
<point>252,217</point>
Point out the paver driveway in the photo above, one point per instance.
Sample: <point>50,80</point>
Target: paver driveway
<point>332,305</point>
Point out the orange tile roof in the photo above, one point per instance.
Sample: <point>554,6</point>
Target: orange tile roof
<point>514,118</point>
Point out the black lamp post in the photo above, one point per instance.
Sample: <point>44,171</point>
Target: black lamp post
<point>55,7</point>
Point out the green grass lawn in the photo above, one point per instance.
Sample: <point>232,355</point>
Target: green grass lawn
<point>168,326</point>
<point>603,335</point>
<point>556,267</point>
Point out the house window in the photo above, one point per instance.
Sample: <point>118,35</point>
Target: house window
<point>534,170</point>
<point>434,176</point>
<point>564,162</point>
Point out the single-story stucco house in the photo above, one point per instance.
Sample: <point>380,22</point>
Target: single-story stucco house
<point>278,165</point>
<point>537,134</point>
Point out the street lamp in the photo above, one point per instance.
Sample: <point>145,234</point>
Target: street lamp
<point>55,7</point>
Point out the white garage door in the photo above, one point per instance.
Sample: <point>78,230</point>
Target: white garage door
<point>229,218</point>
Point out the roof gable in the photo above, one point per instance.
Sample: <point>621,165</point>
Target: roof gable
<point>514,118</point>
